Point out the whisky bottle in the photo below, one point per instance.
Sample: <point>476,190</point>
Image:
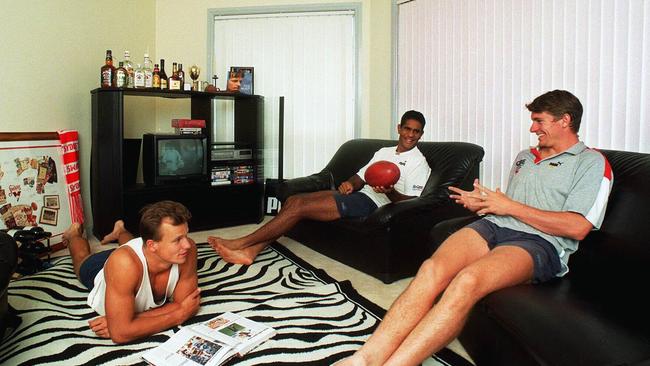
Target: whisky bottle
<point>138,78</point>
<point>174,81</point>
<point>155,83</point>
<point>107,72</point>
<point>121,76</point>
<point>181,76</point>
<point>163,75</point>
<point>148,71</point>
<point>128,65</point>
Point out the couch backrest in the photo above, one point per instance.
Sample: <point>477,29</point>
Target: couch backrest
<point>452,163</point>
<point>617,257</point>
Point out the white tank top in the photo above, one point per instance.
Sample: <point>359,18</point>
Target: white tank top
<point>144,297</point>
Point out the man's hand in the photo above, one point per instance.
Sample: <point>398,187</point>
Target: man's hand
<point>190,305</point>
<point>469,199</point>
<point>384,190</point>
<point>346,188</point>
<point>494,202</point>
<point>100,327</point>
<point>484,201</point>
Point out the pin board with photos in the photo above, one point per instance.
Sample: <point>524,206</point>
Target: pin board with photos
<point>33,189</point>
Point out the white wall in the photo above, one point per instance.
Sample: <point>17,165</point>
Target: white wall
<point>50,55</point>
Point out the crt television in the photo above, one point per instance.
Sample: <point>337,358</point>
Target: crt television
<point>168,158</point>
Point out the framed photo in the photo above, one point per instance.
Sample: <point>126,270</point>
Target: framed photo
<point>240,80</point>
<point>51,201</point>
<point>49,216</point>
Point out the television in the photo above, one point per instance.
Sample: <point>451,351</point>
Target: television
<point>169,159</point>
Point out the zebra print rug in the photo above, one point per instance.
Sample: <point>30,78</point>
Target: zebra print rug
<point>319,321</point>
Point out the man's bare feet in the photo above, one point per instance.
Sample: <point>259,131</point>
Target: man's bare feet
<point>354,360</point>
<point>114,235</point>
<point>73,231</point>
<point>237,256</point>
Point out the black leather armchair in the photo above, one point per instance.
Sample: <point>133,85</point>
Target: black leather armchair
<point>391,243</point>
<point>598,313</point>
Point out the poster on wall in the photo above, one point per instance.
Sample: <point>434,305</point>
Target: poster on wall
<point>39,181</point>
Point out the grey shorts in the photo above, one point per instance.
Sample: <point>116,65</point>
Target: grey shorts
<point>91,267</point>
<point>355,204</point>
<point>546,261</point>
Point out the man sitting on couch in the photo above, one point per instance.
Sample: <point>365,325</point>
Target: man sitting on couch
<point>129,286</point>
<point>354,197</point>
<point>557,192</point>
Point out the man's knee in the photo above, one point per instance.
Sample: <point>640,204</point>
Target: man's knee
<point>293,202</point>
<point>300,200</point>
<point>466,286</point>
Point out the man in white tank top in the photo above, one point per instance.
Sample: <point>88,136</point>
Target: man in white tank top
<point>147,284</point>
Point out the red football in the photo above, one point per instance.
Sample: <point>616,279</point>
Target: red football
<point>382,173</point>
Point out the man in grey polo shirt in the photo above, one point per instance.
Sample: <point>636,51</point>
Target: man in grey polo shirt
<point>557,193</point>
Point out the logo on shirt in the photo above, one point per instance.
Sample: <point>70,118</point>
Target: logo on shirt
<point>417,187</point>
<point>519,164</point>
<point>555,164</point>
<point>402,163</point>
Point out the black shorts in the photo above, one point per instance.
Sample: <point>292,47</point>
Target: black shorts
<point>91,267</point>
<point>546,261</point>
<point>355,204</point>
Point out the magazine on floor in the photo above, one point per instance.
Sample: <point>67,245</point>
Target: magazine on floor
<point>210,343</point>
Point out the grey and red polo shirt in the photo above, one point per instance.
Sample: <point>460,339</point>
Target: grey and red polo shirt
<point>576,180</point>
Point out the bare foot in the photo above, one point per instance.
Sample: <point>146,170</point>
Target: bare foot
<point>73,231</point>
<point>232,244</point>
<point>237,256</point>
<point>354,360</point>
<point>114,235</point>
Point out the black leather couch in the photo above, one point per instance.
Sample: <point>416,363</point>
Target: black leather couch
<point>599,313</point>
<point>8,261</point>
<point>392,242</point>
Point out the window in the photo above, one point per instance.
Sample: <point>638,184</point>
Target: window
<point>315,70</point>
<point>471,66</point>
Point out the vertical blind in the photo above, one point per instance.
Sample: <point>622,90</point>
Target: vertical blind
<point>310,59</point>
<point>471,65</point>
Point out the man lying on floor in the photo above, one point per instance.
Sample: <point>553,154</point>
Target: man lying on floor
<point>129,286</point>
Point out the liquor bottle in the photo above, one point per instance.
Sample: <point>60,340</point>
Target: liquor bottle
<point>156,77</point>
<point>128,65</point>
<point>138,78</point>
<point>107,72</point>
<point>163,75</point>
<point>181,76</point>
<point>121,76</point>
<point>148,71</point>
<point>174,81</point>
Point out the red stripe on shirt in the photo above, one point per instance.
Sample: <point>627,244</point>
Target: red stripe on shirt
<point>535,152</point>
<point>608,168</point>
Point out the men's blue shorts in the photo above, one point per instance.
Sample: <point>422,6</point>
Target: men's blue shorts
<point>355,204</point>
<point>91,267</point>
<point>545,258</point>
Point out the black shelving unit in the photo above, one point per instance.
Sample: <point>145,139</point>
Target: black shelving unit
<point>211,206</point>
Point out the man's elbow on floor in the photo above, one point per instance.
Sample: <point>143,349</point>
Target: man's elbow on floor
<point>121,338</point>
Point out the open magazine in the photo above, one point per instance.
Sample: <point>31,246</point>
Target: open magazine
<point>210,343</point>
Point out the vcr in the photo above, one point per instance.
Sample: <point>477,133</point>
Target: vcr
<point>219,154</point>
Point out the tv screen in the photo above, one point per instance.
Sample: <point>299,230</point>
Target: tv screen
<point>174,158</point>
<point>180,157</point>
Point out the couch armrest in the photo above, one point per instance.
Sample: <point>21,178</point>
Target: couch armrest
<point>312,183</point>
<point>418,208</point>
<point>442,230</point>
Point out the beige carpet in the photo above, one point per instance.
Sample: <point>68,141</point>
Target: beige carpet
<point>369,287</point>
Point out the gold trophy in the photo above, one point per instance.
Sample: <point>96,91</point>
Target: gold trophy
<point>194,74</point>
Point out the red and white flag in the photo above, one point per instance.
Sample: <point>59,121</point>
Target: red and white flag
<point>70,155</point>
